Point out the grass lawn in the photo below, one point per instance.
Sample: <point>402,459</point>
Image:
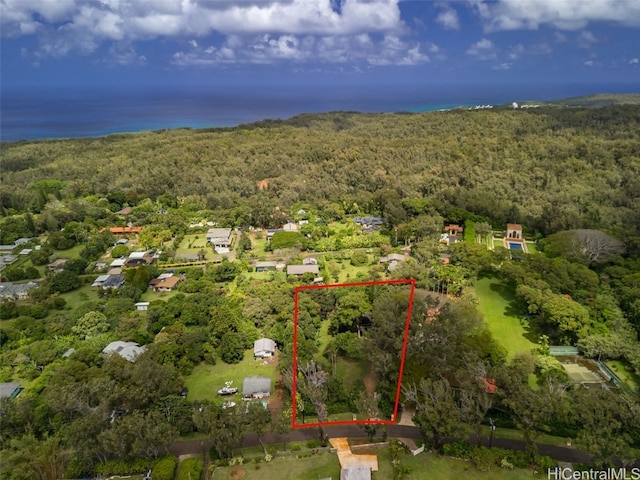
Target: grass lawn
<point>191,244</point>
<point>257,245</point>
<point>150,295</point>
<point>73,252</point>
<point>205,380</point>
<point>349,272</point>
<point>80,295</point>
<point>513,434</point>
<point>623,370</point>
<point>532,247</point>
<point>322,465</point>
<point>496,303</point>
<point>425,466</point>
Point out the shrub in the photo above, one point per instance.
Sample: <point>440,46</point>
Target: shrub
<point>504,463</point>
<point>484,459</point>
<point>459,449</point>
<point>268,457</point>
<point>123,467</point>
<point>190,469</point>
<point>165,469</point>
<point>313,444</point>
<point>295,448</point>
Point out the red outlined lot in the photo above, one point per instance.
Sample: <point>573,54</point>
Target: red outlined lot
<point>296,292</point>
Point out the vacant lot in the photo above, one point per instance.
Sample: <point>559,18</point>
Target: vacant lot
<point>497,305</point>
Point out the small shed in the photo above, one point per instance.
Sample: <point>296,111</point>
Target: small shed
<point>256,387</point>
<point>142,306</point>
<point>264,348</point>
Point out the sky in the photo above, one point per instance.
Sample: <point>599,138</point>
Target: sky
<point>258,42</point>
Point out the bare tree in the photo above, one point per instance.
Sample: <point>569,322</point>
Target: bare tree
<point>586,246</point>
<point>313,385</point>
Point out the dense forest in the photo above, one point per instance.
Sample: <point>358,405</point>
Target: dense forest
<point>570,176</point>
<point>549,169</point>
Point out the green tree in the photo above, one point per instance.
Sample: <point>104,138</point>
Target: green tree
<point>64,281</point>
<point>231,349</point>
<point>437,412</point>
<point>91,324</point>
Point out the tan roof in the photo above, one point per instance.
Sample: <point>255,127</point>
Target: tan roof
<point>514,226</point>
<point>169,282</point>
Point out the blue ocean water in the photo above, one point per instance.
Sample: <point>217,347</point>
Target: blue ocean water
<point>92,112</point>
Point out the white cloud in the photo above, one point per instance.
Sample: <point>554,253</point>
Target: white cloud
<point>634,61</point>
<point>483,49</point>
<point>336,50</point>
<point>448,18</point>
<point>502,66</point>
<point>562,14</point>
<point>252,30</point>
<point>586,39</point>
<point>589,63</point>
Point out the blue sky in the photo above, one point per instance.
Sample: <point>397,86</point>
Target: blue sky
<point>204,42</point>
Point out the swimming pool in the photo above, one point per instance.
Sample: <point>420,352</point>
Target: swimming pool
<point>515,246</point>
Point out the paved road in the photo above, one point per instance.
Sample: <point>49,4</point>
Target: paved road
<point>564,454</point>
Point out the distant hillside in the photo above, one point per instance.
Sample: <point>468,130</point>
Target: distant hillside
<point>597,100</point>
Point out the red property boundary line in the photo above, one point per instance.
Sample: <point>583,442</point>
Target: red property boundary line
<point>296,290</point>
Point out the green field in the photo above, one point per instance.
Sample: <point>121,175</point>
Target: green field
<point>625,372</point>
<point>206,380</point>
<point>497,305</point>
<point>425,466</point>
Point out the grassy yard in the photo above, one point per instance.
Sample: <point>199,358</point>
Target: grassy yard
<point>205,380</point>
<point>322,465</point>
<point>497,305</point>
<point>429,466</point>
<point>81,295</point>
<point>626,374</point>
<point>349,272</point>
<point>325,465</point>
<point>194,244</point>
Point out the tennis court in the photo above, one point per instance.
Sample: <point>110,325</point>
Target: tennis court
<point>580,374</point>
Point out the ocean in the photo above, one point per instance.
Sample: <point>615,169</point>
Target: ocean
<point>94,112</point>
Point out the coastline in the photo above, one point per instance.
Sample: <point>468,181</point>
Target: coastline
<point>66,113</point>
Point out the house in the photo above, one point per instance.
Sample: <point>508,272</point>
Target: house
<point>114,281</point>
<point>266,266</point>
<point>125,230</point>
<point>309,261</point>
<point>369,221</point>
<point>300,270</point>
<point>16,291</point>
<point>22,241</point>
<point>118,263</point>
<point>8,259</point>
<point>127,350</point>
<point>166,284</point>
<point>355,473</point>
<point>124,212</point>
<point>264,348</point>
<point>7,248</point>
<point>99,282</point>
<point>290,227</point>
<point>219,237</point>
<point>122,241</point>
<point>142,306</point>
<point>137,261</point>
<point>9,389</point>
<point>272,231</point>
<point>256,387</point>
<point>393,257</point>
<point>453,229</point>
<point>514,231</point>
<point>100,266</point>
<point>25,251</point>
<point>57,265</point>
